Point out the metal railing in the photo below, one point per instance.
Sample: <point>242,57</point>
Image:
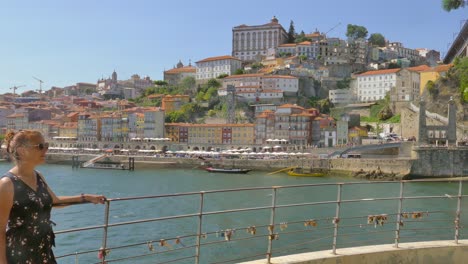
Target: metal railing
<point>333,230</point>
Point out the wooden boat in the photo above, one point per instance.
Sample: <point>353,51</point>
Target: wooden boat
<point>301,173</point>
<point>221,170</point>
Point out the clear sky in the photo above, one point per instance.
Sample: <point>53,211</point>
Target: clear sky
<point>64,42</point>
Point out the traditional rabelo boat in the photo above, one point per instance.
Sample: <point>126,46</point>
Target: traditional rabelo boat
<point>222,170</point>
<point>299,172</point>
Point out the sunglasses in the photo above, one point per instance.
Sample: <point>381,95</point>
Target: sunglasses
<point>41,146</point>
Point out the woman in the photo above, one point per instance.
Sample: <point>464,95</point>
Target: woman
<point>26,234</point>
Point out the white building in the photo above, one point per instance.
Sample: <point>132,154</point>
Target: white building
<point>284,83</point>
<point>374,85</point>
<point>340,96</point>
<point>306,48</point>
<point>214,66</point>
<point>250,43</point>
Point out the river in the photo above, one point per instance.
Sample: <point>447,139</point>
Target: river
<point>143,182</point>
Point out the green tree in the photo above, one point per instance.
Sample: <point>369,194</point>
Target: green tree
<point>222,76</point>
<point>385,113</point>
<point>302,58</point>
<point>175,117</point>
<point>377,39</point>
<point>188,83</point>
<point>393,65</point>
<point>449,5</point>
<point>214,83</point>
<point>460,73</point>
<point>291,33</point>
<point>343,84</point>
<point>238,72</point>
<point>355,31</point>
<point>160,82</point>
<point>324,105</point>
<point>301,37</point>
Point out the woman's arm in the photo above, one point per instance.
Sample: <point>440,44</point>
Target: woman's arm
<point>76,199</point>
<point>6,198</point>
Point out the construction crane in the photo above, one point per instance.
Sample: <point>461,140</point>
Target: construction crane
<point>332,28</point>
<point>14,88</point>
<point>40,84</point>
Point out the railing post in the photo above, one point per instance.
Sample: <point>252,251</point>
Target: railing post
<point>336,220</point>
<point>398,222</point>
<point>104,237</point>
<point>271,229</point>
<point>199,231</point>
<point>457,217</point>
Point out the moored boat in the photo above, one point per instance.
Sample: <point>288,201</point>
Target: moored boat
<point>232,170</point>
<point>300,173</point>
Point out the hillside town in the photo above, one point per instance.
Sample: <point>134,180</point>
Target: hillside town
<point>276,89</point>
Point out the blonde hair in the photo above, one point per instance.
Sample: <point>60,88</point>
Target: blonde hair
<point>13,140</point>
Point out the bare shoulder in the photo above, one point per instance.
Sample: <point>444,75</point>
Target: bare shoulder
<point>6,186</point>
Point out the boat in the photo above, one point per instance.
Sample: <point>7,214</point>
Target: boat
<point>232,170</point>
<point>300,173</point>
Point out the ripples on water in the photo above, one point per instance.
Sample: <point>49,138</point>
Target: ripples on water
<point>114,184</point>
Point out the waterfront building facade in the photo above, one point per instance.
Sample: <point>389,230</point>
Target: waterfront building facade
<point>212,67</point>
<point>89,127</point>
<point>154,123</point>
<point>408,84</point>
<point>68,130</point>
<point>251,43</point>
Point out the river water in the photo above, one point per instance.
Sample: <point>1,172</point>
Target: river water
<point>294,237</point>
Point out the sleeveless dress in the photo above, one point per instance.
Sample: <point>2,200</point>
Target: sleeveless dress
<point>29,235</point>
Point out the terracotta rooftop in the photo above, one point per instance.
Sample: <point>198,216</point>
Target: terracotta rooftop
<point>379,72</point>
<point>226,57</point>
<point>181,70</point>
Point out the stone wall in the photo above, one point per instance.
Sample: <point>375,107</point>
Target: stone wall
<point>440,162</point>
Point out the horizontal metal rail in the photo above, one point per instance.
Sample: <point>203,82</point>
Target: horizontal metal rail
<point>327,227</point>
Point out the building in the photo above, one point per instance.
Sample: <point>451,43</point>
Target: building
<point>215,134</point>
<point>89,127</point>
<point>408,84</point>
<point>154,123</point>
<point>260,86</point>
<point>373,85</point>
<point>305,48</point>
<point>432,74</point>
<point>172,103</point>
<point>68,130</point>
<point>251,43</point>
<point>340,96</point>
<point>402,52</point>
<point>177,74</point>
<point>291,123</point>
<point>214,66</point>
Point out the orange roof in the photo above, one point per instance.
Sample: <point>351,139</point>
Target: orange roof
<point>387,71</point>
<point>226,57</point>
<point>305,43</point>
<point>290,106</point>
<point>419,68</point>
<point>287,45</point>
<point>243,76</point>
<point>280,76</point>
<point>442,68</point>
<point>15,115</point>
<point>181,70</point>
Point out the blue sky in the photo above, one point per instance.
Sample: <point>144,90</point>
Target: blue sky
<point>65,42</point>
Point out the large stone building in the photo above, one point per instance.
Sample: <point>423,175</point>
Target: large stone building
<point>214,66</point>
<point>250,43</point>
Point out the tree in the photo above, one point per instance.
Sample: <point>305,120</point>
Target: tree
<point>301,37</point>
<point>238,72</point>
<point>222,76</point>
<point>355,31</point>
<point>449,5</point>
<point>385,113</point>
<point>160,82</point>
<point>291,33</point>
<point>343,84</point>
<point>188,83</point>
<point>393,65</point>
<point>213,83</point>
<point>377,39</point>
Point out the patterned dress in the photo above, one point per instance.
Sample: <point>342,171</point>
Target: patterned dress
<point>29,235</point>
